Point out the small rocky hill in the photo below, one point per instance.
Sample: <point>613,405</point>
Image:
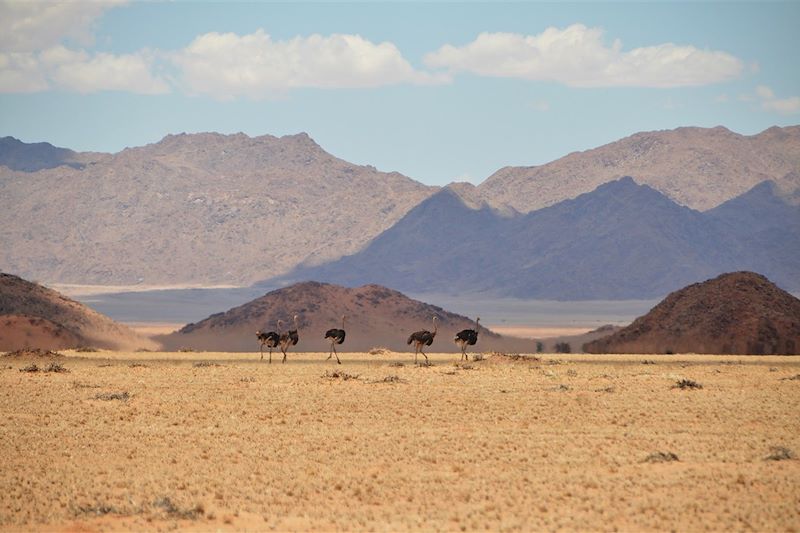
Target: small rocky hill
<point>696,167</point>
<point>736,313</point>
<point>33,316</point>
<point>376,317</point>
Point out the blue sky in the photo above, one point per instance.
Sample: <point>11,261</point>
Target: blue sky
<point>437,91</point>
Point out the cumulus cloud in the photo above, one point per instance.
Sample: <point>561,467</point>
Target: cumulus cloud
<point>770,102</point>
<point>227,65</point>
<point>76,70</point>
<point>27,26</point>
<point>577,56</point>
<point>33,56</point>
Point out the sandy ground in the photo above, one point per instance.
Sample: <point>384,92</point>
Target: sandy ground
<point>214,441</point>
<point>535,332</point>
<point>150,329</point>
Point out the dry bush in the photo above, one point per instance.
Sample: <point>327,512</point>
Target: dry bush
<point>96,510</point>
<point>379,350</point>
<point>390,379</point>
<point>30,368</point>
<point>605,389</point>
<point>779,453</point>
<point>138,365</point>
<point>477,356</point>
<point>560,388</point>
<point>397,364</point>
<point>648,362</point>
<point>687,384</point>
<point>796,377</point>
<point>55,367</point>
<point>80,385</point>
<point>85,349</point>
<point>660,457</point>
<point>34,352</point>
<point>108,396</point>
<point>173,511</point>
<point>204,364</point>
<point>339,374</point>
<point>248,379</point>
<point>426,363</point>
<point>184,349</point>
<point>501,356</point>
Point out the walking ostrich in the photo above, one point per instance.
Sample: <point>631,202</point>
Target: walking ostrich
<point>337,337</point>
<point>270,339</point>
<point>289,338</point>
<point>467,337</point>
<point>422,338</point>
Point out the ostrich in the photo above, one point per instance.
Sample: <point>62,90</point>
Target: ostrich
<point>337,337</point>
<point>289,338</point>
<point>269,339</point>
<point>467,337</point>
<point>422,338</point>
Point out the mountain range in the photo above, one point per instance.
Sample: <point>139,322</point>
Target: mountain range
<point>198,209</point>
<point>211,209</point>
<point>696,167</point>
<point>621,241</point>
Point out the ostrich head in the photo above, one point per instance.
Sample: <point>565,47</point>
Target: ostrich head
<point>295,322</point>
<point>280,325</point>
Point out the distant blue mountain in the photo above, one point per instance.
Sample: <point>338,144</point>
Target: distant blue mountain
<point>621,241</point>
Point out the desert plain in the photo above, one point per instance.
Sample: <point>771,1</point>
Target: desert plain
<point>153,441</point>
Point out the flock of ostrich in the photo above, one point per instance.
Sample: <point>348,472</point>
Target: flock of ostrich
<point>420,339</point>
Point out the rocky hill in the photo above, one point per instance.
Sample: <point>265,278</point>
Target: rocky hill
<point>376,317</point>
<point>32,316</point>
<point>30,157</point>
<point>696,167</point>
<point>736,313</point>
<point>621,241</point>
<point>198,209</point>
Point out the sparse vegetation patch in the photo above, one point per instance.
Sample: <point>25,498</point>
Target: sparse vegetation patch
<point>796,377</point>
<point>687,384</point>
<point>390,379</point>
<point>339,374</point>
<point>173,511</point>
<point>660,457</point>
<point>55,367</point>
<point>204,364</point>
<point>35,352</point>
<point>379,350</point>
<point>779,453</point>
<point>85,349</point>
<point>108,396</point>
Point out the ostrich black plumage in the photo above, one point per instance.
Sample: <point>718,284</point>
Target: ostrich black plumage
<point>290,338</point>
<point>467,337</point>
<point>269,339</point>
<point>337,337</point>
<point>422,338</point>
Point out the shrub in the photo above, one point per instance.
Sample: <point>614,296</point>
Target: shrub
<point>687,384</point>
<point>563,347</point>
<point>779,453</point>
<point>108,396</point>
<point>660,457</point>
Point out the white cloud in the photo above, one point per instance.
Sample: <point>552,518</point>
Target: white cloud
<point>784,106</point>
<point>227,65</point>
<point>28,26</point>
<point>33,57</point>
<point>577,56</point>
<point>76,70</point>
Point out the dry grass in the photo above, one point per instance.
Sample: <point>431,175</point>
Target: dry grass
<point>502,447</point>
